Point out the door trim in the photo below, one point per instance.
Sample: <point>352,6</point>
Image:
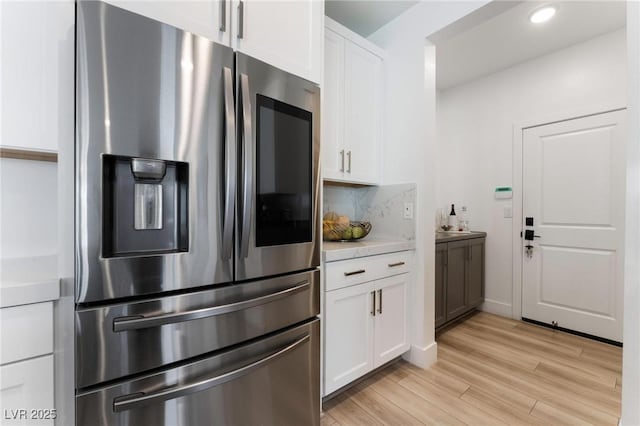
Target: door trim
<point>518,136</point>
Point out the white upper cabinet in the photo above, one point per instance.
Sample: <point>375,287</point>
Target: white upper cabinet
<point>332,97</point>
<point>210,19</point>
<point>362,106</point>
<point>351,107</point>
<point>285,34</point>
<point>36,82</point>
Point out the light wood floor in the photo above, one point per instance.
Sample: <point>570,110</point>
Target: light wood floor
<point>492,371</point>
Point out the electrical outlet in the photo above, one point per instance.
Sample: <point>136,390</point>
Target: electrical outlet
<point>408,210</point>
<point>507,211</point>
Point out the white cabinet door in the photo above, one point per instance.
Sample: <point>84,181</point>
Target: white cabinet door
<point>285,34</point>
<point>333,155</point>
<point>210,19</point>
<point>391,328</point>
<point>348,335</point>
<point>362,92</point>
<point>26,331</point>
<point>26,392</point>
<point>37,82</point>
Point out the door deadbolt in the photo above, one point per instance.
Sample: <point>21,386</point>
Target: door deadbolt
<point>529,235</point>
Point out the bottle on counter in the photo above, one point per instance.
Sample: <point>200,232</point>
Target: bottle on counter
<point>463,222</point>
<point>453,220</point>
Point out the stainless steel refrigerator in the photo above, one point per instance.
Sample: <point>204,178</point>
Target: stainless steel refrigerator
<point>196,231</point>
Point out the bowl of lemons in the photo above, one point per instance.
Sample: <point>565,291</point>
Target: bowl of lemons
<point>339,228</point>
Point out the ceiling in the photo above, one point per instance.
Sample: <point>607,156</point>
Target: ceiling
<point>365,16</point>
<point>471,50</point>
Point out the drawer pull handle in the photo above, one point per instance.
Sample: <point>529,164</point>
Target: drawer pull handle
<point>359,271</point>
<point>140,399</point>
<point>393,265</point>
<point>137,322</point>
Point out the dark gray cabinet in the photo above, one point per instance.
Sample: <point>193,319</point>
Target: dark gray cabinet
<point>459,277</point>
<point>441,277</point>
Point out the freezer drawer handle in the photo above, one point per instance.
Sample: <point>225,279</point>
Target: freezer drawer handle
<point>128,402</point>
<point>134,323</point>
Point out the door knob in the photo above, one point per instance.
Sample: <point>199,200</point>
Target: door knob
<point>529,252</point>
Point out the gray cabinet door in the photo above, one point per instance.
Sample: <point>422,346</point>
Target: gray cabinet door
<point>441,280</point>
<point>475,272</point>
<point>455,294</point>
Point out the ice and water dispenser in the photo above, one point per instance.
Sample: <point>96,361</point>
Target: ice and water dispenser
<point>144,206</point>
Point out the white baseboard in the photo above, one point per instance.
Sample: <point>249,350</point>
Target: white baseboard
<point>498,308</point>
<point>422,357</point>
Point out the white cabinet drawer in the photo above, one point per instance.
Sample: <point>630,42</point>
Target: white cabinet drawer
<point>26,331</point>
<point>26,392</point>
<point>354,271</point>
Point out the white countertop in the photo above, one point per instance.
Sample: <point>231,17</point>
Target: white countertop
<point>332,251</point>
<point>28,280</point>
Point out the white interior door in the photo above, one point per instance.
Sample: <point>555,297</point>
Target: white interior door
<point>573,187</point>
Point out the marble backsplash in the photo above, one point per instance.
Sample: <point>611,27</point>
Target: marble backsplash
<point>383,206</point>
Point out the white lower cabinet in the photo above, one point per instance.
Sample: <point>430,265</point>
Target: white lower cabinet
<point>26,392</point>
<point>366,325</point>
<point>348,335</point>
<point>26,364</point>
<point>391,337</point>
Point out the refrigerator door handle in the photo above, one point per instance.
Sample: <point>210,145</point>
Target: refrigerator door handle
<point>129,323</point>
<point>230,165</point>
<point>247,153</point>
<point>138,399</point>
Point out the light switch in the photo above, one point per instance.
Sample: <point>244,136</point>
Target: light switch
<point>408,210</point>
<point>507,211</point>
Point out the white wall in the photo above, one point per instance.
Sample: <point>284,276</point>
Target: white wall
<point>475,135</point>
<point>631,351</point>
<point>409,144</point>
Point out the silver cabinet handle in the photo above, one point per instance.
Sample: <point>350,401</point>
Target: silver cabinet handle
<point>359,271</point>
<point>373,303</point>
<point>137,322</point>
<point>393,265</point>
<point>380,301</point>
<point>342,160</point>
<point>230,165</point>
<point>128,402</point>
<point>348,161</point>
<point>240,19</point>
<point>223,15</point>
<point>247,152</point>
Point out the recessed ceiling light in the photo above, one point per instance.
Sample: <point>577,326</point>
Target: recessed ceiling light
<point>542,15</point>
